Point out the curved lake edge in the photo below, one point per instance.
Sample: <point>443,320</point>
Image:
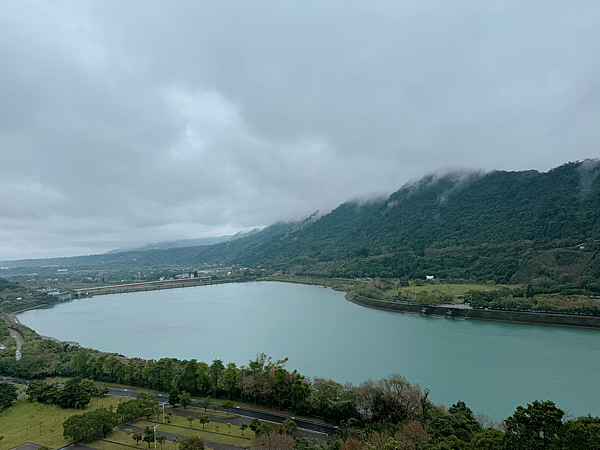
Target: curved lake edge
<point>485,315</point>
<point>435,311</point>
<point>455,360</point>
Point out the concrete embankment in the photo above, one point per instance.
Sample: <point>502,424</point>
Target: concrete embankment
<point>464,313</point>
<point>11,310</point>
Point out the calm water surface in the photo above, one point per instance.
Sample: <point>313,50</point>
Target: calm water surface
<point>492,367</point>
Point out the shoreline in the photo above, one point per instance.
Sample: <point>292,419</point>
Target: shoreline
<point>461,313</point>
<point>456,312</point>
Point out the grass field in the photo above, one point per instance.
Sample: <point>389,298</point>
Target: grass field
<point>457,291</point>
<point>40,423</point>
<point>180,426</point>
<point>119,440</point>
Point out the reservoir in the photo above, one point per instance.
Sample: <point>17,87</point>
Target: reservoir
<point>493,367</point>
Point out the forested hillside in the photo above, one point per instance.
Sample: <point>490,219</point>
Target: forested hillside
<point>498,226</point>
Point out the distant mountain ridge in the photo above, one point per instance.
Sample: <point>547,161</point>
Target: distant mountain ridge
<point>468,224</point>
<point>186,242</point>
<point>172,244</point>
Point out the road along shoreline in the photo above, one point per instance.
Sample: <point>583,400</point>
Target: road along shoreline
<point>460,312</point>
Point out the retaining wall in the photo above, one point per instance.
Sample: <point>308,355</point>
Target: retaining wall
<point>561,320</point>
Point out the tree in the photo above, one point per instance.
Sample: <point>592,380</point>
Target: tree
<point>214,371</point>
<point>101,391</point>
<point>137,437</point>
<point>191,443</point>
<point>217,428</point>
<point>129,410</point>
<point>448,443</point>
<point>412,435</point>
<point>582,434</point>
<point>288,427</point>
<point>300,393</point>
<point>351,444</point>
<point>275,442</point>
<point>206,403</point>
<point>190,419</point>
<point>8,394</point>
<point>202,378</point>
<point>161,438</point>
<point>104,420</point>
<point>204,420</point>
<point>74,394</point>
<point>95,391</point>
<point>535,427</point>
<point>187,380</point>
<point>255,424</point>
<point>185,399</point>
<point>243,426</point>
<point>229,427</point>
<point>459,421</point>
<point>174,396</point>
<point>90,425</point>
<point>489,439</point>
<point>43,392</point>
<point>147,403</point>
<point>76,428</point>
<point>227,405</point>
<point>148,435</point>
<point>230,378</point>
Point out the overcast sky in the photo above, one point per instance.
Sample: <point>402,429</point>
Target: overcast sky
<point>128,122</point>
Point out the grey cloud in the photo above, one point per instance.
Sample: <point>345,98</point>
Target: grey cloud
<point>127,122</point>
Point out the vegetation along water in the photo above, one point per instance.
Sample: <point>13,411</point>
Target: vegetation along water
<point>493,367</point>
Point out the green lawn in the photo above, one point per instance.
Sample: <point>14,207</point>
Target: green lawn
<point>180,426</point>
<point>40,423</point>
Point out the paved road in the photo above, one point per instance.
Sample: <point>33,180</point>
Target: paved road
<point>247,413</point>
<point>12,380</point>
<point>16,337</point>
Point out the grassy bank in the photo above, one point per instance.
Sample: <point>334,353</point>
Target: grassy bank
<point>393,289</point>
<point>40,423</point>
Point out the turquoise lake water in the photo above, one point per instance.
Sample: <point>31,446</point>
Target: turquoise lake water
<point>493,367</point>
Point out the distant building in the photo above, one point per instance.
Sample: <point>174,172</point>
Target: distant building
<point>60,296</point>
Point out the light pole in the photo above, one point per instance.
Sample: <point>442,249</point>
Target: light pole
<point>163,406</point>
<point>155,435</point>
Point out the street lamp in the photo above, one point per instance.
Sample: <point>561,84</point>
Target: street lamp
<point>155,435</point>
<point>163,406</point>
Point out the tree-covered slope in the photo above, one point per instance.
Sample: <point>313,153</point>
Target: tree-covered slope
<point>457,221</point>
<point>489,226</point>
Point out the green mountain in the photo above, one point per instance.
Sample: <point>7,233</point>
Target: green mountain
<point>498,226</point>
